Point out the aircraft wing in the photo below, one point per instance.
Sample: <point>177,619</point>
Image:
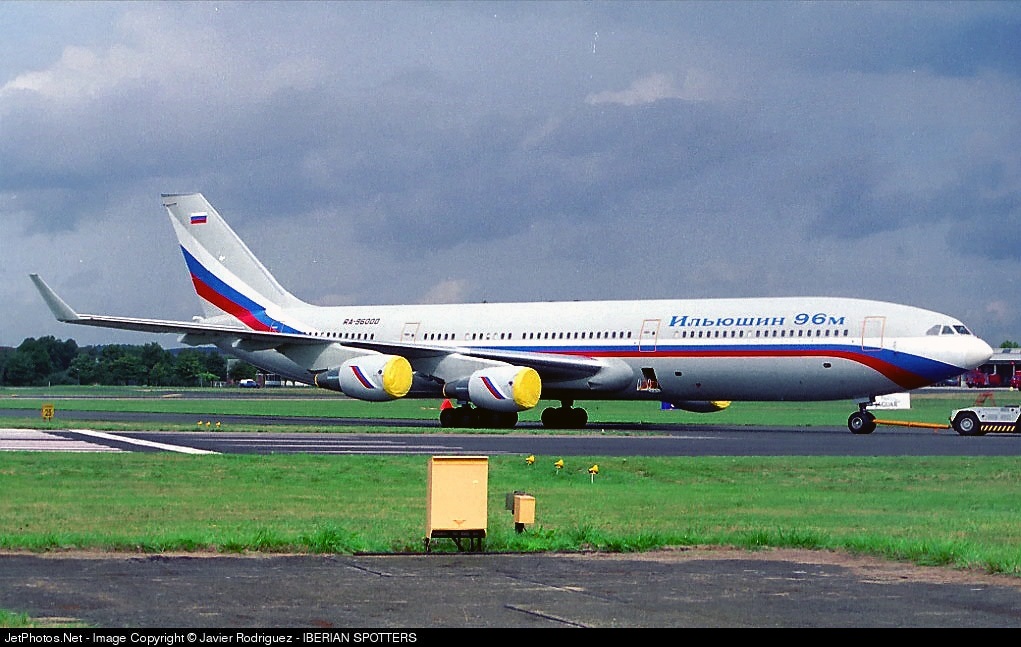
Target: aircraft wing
<point>549,365</point>
<point>552,367</point>
<point>64,313</point>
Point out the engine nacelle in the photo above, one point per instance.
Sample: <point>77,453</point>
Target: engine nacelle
<point>376,378</point>
<point>699,406</point>
<point>499,388</point>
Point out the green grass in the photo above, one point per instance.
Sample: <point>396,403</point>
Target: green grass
<point>948,511</point>
<point>957,512</point>
<point>10,619</point>
<point>15,620</point>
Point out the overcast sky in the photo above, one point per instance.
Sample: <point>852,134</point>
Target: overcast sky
<point>433,152</point>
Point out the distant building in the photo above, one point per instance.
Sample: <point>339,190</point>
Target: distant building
<point>1001,366</point>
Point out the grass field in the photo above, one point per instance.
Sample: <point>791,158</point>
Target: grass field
<point>953,511</point>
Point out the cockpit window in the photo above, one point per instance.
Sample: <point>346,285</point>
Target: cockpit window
<point>942,329</point>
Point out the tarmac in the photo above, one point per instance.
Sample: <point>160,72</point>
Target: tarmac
<point>664,589</point>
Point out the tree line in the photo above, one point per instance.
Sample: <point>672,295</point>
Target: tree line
<point>49,361</point>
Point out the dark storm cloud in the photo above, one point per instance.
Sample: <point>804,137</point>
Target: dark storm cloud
<point>389,152</point>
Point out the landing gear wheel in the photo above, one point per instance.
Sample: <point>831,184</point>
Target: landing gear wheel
<point>549,417</point>
<point>468,417</point>
<point>464,416</point>
<point>565,417</point>
<point>966,423</point>
<point>578,418</point>
<point>448,417</point>
<point>861,422</point>
<point>496,419</point>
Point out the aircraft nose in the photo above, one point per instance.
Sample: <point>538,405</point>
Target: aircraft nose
<point>978,353</point>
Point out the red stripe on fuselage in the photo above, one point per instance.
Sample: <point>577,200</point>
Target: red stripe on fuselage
<point>894,373</point>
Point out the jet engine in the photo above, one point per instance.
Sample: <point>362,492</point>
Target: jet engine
<point>700,406</point>
<point>376,378</point>
<point>498,388</point>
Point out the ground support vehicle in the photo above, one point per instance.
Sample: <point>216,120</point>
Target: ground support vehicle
<point>978,421</point>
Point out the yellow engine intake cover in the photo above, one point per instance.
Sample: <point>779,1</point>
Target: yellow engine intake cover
<point>527,388</point>
<point>397,377</point>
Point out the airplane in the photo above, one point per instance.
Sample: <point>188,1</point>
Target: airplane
<point>499,359</point>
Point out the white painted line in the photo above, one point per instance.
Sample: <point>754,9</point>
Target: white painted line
<point>283,444</point>
<point>143,443</point>
<point>52,446</point>
<point>26,434</point>
<point>30,440</point>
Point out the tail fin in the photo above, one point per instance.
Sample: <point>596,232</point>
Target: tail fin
<point>227,276</point>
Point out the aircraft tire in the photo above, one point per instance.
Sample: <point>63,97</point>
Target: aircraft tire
<point>578,418</point>
<point>496,419</point>
<point>448,418</point>
<point>550,418</point>
<point>861,422</point>
<point>564,418</point>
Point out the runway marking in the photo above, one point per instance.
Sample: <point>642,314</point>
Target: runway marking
<point>30,440</point>
<point>346,446</point>
<point>144,443</point>
<point>284,443</point>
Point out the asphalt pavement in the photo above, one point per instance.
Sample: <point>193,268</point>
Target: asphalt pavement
<point>665,589</point>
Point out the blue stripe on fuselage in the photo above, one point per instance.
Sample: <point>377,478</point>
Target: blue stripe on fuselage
<point>902,368</point>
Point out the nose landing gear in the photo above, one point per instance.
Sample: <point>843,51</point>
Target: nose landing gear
<point>862,421</point>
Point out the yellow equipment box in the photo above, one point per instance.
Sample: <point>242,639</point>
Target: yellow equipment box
<point>456,502</point>
<point>524,508</point>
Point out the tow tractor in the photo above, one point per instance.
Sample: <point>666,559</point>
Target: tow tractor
<point>978,421</point>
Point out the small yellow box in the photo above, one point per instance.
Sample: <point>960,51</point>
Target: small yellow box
<point>458,491</point>
<point>524,508</point>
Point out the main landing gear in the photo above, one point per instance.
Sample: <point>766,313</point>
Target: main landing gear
<point>566,416</point>
<point>862,421</point>
<point>466,416</point>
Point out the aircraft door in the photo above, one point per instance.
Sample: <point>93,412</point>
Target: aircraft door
<point>410,332</point>
<point>649,336</point>
<point>872,333</point>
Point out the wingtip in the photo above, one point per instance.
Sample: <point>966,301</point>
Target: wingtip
<point>58,307</point>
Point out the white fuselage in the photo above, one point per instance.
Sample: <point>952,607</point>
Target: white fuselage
<point>709,349</point>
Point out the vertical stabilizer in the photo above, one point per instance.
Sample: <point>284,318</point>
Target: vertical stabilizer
<point>227,276</point>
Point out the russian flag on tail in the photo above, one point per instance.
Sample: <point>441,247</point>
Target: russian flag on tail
<point>199,218</point>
